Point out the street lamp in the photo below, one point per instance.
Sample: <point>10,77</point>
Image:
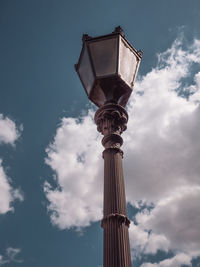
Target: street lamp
<point>107,68</point>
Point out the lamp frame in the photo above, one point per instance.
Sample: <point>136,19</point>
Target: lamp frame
<point>118,33</point>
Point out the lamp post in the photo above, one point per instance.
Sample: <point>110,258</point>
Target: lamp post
<point>107,68</point>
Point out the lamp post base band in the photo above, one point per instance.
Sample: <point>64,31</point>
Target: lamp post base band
<point>114,150</point>
<point>112,139</point>
<point>115,216</point>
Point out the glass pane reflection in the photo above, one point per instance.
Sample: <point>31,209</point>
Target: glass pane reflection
<point>127,63</point>
<point>85,71</point>
<point>104,56</point>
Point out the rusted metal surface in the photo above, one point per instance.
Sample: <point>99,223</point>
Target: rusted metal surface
<point>111,120</point>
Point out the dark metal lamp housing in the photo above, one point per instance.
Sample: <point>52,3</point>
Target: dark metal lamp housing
<point>107,68</point>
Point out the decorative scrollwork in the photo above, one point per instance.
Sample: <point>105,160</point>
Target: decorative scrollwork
<point>111,120</point>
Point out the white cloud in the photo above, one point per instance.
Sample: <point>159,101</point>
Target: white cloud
<point>177,261</point>
<point>161,161</point>
<point>162,155</point>
<point>7,193</point>
<point>163,130</point>
<point>174,222</point>
<point>11,256</point>
<point>144,242</point>
<point>76,158</point>
<point>9,133</point>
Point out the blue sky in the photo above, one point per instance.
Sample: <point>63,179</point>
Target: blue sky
<point>50,202</point>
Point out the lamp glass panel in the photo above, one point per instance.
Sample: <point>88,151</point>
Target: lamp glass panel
<point>85,71</point>
<point>127,62</point>
<point>104,56</point>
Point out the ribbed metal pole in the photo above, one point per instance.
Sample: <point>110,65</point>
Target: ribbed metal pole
<point>111,121</point>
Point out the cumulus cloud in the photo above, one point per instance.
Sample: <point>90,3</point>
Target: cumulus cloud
<point>162,155</point>
<point>9,133</point>
<point>174,223</point>
<point>11,256</point>
<point>7,193</point>
<point>177,261</point>
<point>145,242</point>
<point>76,159</point>
<point>161,161</point>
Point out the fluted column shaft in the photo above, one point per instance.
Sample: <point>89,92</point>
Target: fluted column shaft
<point>111,121</point>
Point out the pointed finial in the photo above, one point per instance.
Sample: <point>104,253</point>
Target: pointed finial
<point>86,37</point>
<point>140,53</point>
<point>119,30</point>
<point>76,66</point>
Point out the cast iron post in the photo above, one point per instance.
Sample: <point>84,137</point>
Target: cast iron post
<point>111,120</point>
<point>107,68</point>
